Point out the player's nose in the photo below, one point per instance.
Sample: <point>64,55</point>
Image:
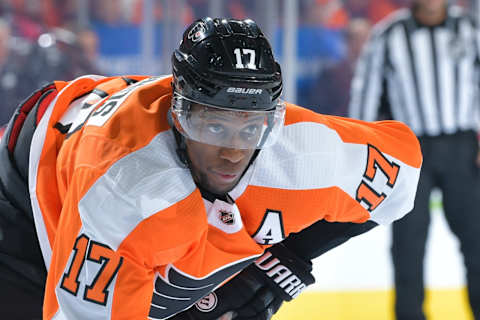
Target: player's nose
<point>232,155</point>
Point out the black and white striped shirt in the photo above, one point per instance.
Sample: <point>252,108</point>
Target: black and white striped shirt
<point>424,76</point>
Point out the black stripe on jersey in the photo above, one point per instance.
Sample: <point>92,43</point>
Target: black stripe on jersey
<point>473,103</point>
<point>366,86</point>
<point>402,101</point>
<point>438,100</point>
<point>62,128</point>
<point>456,75</point>
<point>385,104</point>
<point>80,126</point>
<point>475,25</point>
<point>83,94</point>
<point>86,105</point>
<point>129,81</point>
<point>102,94</point>
<point>407,27</point>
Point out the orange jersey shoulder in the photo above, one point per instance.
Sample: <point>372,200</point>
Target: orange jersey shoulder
<point>392,137</point>
<point>333,168</point>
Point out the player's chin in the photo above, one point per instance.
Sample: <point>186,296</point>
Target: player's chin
<point>221,189</point>
<point>219,186</point>
<point>217,189</point>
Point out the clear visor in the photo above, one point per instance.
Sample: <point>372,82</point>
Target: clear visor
<point>226,127</point>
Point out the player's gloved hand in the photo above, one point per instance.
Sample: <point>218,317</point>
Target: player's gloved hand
<point>258,291</point>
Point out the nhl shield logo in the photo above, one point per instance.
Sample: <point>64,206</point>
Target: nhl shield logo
<point>197,32</point>
<point>227,217</point>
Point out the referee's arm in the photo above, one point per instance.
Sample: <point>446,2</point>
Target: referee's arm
<point>367,83</point>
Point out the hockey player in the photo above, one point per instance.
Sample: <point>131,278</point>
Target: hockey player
<point>141,196</point>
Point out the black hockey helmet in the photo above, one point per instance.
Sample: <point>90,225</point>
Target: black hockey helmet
<point>226,66</point>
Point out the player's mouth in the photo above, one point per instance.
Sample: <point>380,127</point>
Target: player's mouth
<point>225,177</point>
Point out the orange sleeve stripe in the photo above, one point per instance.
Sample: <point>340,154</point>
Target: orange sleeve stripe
<point>50,203</point>
<point>118,83</point>
<point>331,204</point>
<point>64,242</point>
<point>53,140</point>
<point>217,250</point>
<point>133,292</point>
<point>146,122</point>
<point>391,137</point>
<point>167,235</point>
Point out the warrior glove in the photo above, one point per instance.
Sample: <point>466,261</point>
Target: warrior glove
<point>258,291</point>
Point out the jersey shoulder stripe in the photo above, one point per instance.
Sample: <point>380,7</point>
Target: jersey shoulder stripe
<point>392,137</point>
<point>46,142</point>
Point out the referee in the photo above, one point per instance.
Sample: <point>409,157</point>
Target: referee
<point>421,66</point>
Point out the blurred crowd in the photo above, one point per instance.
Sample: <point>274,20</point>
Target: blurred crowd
<point>45,40</point>
<point>39,44</point>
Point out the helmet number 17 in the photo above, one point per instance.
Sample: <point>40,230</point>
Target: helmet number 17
<point>240,53</point>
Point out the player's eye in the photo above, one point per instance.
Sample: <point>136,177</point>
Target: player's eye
<point>250,132</point>
<point>215,128</point>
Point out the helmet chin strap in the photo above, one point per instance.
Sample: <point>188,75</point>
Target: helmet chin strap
<point>180,140</point>
<point>181,147</point>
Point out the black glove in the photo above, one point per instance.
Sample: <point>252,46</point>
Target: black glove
<point>258,291</point>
